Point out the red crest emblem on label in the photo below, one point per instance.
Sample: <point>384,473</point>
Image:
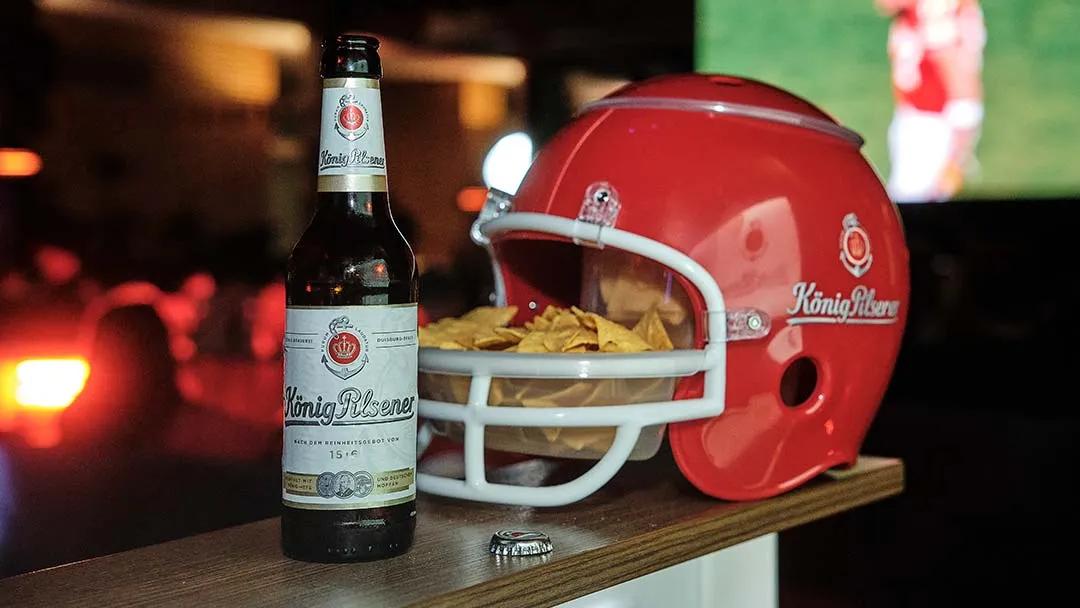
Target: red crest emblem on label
<point>344,348</point>
<point>351,121</point>
<point>855,252</point>
<point>351,117</point>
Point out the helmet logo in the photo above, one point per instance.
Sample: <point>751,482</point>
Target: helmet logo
<point>855,247</point>
<point>600,205</point>
<point>860,307</point>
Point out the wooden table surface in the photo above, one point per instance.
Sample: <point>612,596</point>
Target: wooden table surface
<point>647,519</point>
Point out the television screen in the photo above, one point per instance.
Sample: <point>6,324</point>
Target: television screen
<point>955,98</point>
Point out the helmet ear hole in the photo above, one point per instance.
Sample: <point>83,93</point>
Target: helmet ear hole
<point>798,382</point>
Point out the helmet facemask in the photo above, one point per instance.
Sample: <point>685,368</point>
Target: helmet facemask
<point>608,406</point>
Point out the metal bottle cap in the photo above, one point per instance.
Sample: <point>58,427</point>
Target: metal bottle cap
<point>519,542</point>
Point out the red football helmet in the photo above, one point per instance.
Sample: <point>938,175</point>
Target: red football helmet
<point>751,220</point>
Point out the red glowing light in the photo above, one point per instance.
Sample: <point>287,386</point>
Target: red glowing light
<point>199,286</point>
<point>49,383</point>
<point>265,314</point>
<point>19,162</point>
<point>182,347</point>
<point>57,266</point>
<point>471,199</point>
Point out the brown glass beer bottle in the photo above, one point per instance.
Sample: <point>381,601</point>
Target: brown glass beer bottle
<point>350,398</point>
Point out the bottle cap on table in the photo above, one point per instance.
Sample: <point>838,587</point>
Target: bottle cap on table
<point>520,542</point>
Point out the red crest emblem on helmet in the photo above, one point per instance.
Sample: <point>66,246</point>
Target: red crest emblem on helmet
<point>855,247</point>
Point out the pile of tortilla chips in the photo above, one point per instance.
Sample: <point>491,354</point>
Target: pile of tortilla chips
<point>557,330</point>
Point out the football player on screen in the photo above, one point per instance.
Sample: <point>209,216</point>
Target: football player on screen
<point>936,53</point>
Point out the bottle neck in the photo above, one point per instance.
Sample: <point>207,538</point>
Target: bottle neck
<point>367,207</point>
<point>352,158</point>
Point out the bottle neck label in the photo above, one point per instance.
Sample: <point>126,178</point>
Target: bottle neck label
<point>352,153</point>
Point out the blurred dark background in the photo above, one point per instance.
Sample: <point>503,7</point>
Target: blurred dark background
<point>156,167</point>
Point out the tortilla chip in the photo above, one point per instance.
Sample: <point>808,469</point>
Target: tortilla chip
<point>585,338</point>
<point>551,312</point>
<point>429,337</point>
<point>583,318</point>
<point>651,329</point>
<point>514,334</point>
<point>553,340</point>
<point>493,341</point>
<point>538,324</point>
<point>614,338</point>
<point>448,330</point>
<point>490,316</point>
<point>533,343</point>
<point>564,320</point>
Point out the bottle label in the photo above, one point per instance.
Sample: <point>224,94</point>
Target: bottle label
<point>350,406</point>
<point>352,154</point>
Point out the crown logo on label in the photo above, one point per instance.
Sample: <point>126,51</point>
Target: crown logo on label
<point>344,349</point>
<point>350,118</point>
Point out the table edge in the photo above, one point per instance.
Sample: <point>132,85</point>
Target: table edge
<point>884,481</point>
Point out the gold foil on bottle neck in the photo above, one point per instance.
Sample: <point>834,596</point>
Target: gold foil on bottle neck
<point>352,183</point>
<point>351,83</point>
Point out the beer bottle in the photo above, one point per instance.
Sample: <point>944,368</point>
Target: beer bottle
<point>349,452</point>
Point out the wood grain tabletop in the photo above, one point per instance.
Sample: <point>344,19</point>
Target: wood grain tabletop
<point>645,520</point>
